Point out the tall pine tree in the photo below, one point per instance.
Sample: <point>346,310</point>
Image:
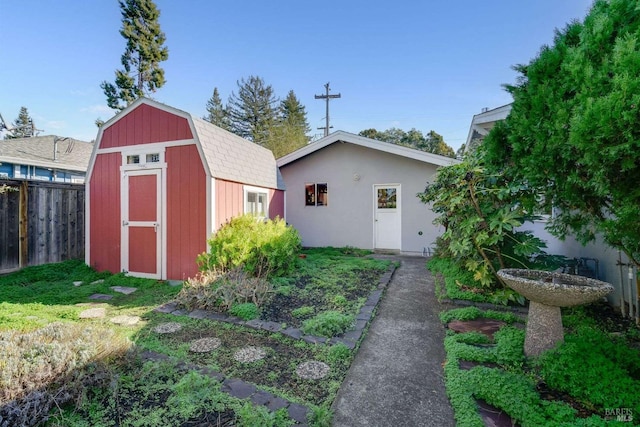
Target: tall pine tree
<point>216,112</point>
<point>22,127</point>
<point>290,130</point>
<point>252,112</point>
<point>293,113</point>
<point>141,73</point>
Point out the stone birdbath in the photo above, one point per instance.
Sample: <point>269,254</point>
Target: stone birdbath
<point>547,292</point>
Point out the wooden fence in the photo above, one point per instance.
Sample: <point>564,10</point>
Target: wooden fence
<point>40,222</point>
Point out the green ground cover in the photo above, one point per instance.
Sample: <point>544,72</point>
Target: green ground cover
<point>589,380</point>
<point>99,378</point>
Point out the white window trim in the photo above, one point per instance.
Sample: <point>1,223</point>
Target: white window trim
<point>142,152</point>
<point>250,189</point>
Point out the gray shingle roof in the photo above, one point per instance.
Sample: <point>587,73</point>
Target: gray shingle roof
<point>234,158</point>
<point>72,154</point>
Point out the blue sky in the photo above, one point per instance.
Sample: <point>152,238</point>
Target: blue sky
<point>429,65</point>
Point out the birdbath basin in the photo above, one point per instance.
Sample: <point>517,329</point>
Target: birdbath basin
<point>547,292</point>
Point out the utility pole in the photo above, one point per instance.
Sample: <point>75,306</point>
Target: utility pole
<point>327,97</point>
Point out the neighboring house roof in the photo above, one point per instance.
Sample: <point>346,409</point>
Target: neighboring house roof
<point>71,154</point>
<point>346,137</point>
<point>482,123</point>
<point>227,155</point>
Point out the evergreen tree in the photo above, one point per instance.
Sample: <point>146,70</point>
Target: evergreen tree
<point>141,59</point>
<point>216,112</point>
<point>573,132</point>
<point>293,113</point>
<point>290,131</point>
<point>22,127</point>
<point>252,111</point>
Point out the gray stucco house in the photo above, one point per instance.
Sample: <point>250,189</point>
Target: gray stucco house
<point>348,190</point>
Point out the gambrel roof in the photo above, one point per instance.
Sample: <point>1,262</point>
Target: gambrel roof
<point>226,155</point>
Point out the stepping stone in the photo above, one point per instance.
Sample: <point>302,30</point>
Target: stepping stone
<point>102,297</point>
<point>204,345</point>
<point>97,282</point>
<point>485,326</point>
<point>93,313</point>
<point>298,412</point>
<point>77,283</point>
<point>262,397</point>
<point>493,416</point>
<point>239,388</point>
<point>123,289</point>
<point>312,370</point>
<point>249,354</point>
<point>125,320</point>
<point>167,307</point>
<point>167,328</point>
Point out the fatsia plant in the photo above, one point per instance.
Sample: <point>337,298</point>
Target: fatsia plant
<point>481,213</point>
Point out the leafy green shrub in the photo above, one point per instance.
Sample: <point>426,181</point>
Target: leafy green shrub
<point>482,212</point>
<point>303,311</point>
<point>245,311</point>
<point>337,353</point>
<point>262,248</point>
<point>327,324</point>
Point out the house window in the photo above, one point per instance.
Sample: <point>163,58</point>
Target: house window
<point>387,198</point>
<point>255,202</point>
<point>132,160</point>
<point>316,195</point>
<point>153,158</point>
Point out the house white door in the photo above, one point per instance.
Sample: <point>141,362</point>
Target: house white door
<point>141,198</point>
<point>387,220</point>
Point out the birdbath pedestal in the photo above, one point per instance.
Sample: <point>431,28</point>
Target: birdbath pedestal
<point>547,292</point>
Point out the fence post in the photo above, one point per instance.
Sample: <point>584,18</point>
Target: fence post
<point>23,259</point>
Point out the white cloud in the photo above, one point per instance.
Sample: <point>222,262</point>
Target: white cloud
<point>98,109</point>
<point>56,124</point>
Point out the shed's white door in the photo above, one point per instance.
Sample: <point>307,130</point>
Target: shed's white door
<point>141,232</point>
<point>387,219</point>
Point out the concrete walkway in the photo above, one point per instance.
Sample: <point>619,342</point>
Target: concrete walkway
<point>396,378</point>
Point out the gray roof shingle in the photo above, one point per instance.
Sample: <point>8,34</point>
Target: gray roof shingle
<point>72,154</point>
<point>234,158</point>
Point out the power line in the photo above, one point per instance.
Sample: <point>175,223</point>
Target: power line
<point>327,97</point>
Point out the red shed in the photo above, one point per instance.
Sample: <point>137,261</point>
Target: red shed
<point>160,181</point>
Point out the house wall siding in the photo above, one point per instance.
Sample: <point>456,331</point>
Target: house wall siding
<point>104,205</point>
<point>144,125</point>
<point>348,217</point>
<point>276,203</point>
<point>186,211</point>
<point>229,201</point>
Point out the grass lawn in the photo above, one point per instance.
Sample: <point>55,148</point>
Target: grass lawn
<point>87,372</point>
